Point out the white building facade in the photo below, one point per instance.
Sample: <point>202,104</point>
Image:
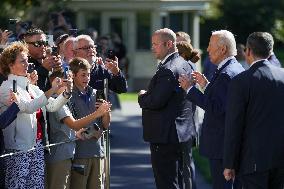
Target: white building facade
<point>135,21</point>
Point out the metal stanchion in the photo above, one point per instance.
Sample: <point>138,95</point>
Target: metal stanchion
<point>107,142</point>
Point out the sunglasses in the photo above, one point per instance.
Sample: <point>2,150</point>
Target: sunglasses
<point>38,43</point>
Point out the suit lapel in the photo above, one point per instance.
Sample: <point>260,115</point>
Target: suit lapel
<point>173,56</point>
<point>216,74</point>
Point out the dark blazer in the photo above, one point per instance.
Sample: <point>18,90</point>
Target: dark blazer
<point>274,60</point>
<point>43,75</point>
<point>254,139</point>
<point>116,83</point>
<point>213,101</point>
<point>6,118</point>
<point>167,116</point>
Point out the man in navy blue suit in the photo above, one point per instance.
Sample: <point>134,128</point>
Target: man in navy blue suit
<point>221,49</point>
<point>167,116</point>
<point>254,142</point>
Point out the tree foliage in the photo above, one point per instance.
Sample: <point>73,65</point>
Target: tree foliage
<point>35,10</point>
<point>243,17</point>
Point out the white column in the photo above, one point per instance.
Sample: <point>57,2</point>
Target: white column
<point>196,35</point>
<point>81,20</point>
<point>156,20</point>
<point>196,30</point>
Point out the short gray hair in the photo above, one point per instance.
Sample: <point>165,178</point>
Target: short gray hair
<point>71,40</point>
<point>166,34</point>
<point>82,37</point>
<point>227,38</point>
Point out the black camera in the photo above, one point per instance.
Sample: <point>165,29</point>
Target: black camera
<point>14,86</point>
<point>110,54</point>
<point>54,51</point>
<point>12,25</point>
<point>100,95</point>
<point>31,67</point>
<point>73,32</point>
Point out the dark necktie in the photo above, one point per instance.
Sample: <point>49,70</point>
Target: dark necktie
<point>159,65</point>
<point>218,71</point>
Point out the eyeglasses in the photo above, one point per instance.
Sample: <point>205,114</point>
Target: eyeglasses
<point>38,43</point>
<point>91,47</point>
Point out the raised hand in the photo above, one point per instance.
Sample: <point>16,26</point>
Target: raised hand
<point>13,97</point>
<point>4,35</point>
<point>112,65</point>
<point>57,83</point>
<point>103,108</point>
<point>68,83</point>
<point>199,79</point>
<point>185,82</point>
<point>33,77</point>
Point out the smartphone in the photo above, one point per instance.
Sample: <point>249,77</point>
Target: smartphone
<point>66,70</point>
<point>14,86</point>
<point>31,67</point>
<point>12,25</point>
<point>73,32</point>
<point>49,39</point>
<point>100,95</point>
<point>110,55</point>
<point>54,51</point>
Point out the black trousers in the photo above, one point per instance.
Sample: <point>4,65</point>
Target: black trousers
<point>271,179</point>
<point>171,170</point>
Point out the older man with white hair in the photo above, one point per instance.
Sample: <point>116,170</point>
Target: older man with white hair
<point>221,49</point>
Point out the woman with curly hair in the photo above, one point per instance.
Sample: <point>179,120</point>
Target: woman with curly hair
<point>27,133</point>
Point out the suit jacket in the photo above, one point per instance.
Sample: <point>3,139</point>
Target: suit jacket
<point>213,101</point>
<point>167,116</point>
<point>254,139</point>
<point>274,61</point>
<point>116,83</point>
<point>6,118</point>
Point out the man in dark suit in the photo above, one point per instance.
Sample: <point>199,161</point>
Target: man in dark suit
<point>167,116</point>
<point>254,142</point>
<point>221,49</point>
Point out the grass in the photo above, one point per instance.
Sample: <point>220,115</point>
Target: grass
<point>128,97</point>
<point>202,164</point>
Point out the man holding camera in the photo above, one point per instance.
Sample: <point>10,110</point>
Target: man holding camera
<point>85,48</point>
<point>36,41</point>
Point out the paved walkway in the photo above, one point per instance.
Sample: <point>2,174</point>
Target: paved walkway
<point>130,155</point>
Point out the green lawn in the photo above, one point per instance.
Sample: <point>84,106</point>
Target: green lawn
<point>128,97</point>
<point>202,164</point>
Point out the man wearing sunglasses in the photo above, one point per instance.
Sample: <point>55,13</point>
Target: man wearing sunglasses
<point>36,41</point>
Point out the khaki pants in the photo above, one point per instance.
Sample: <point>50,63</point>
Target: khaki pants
<point>58,174</point>
<point>91,176</point>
